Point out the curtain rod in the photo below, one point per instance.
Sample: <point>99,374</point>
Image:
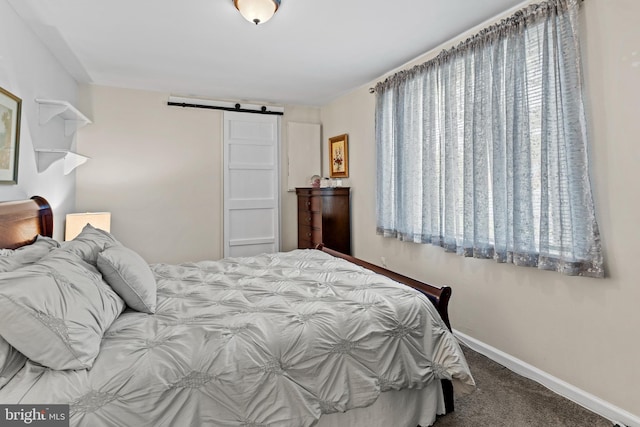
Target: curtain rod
<point>484,32</point>
<point>177,101</point>
<point>237,108</point>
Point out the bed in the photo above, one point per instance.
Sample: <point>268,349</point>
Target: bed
<point>302,338</point>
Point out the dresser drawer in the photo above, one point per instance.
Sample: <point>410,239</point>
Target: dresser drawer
<point>305,244</point>
<point>312,234</point>
<point>312,219</point>
<point>309,203</point>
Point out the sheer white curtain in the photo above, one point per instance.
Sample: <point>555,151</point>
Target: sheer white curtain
<point>483,150</point>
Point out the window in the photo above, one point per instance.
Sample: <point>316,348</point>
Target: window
<point>483,150</point>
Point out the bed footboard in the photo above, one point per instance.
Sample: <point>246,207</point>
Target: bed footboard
<point>439,296</point>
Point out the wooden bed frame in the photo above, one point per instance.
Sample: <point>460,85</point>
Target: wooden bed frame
<point>438,296</point>
<point>21,221</point>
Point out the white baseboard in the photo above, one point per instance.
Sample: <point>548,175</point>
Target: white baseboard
<point>593,403</point>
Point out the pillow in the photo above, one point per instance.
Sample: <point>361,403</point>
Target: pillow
<point>27,254</point>
<point>89,243</point>
<point>11,361</point>
<point>130,276</point>
<point>56,311</point>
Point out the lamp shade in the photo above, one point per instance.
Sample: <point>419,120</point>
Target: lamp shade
<point>257,11</point>
<point>77,221</point>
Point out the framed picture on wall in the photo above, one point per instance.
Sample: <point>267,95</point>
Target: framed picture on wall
<point>339,156</point>
<point>10,108</point>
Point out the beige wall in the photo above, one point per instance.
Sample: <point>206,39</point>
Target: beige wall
<point>158,169</point>
<point>583,331</point>
<point>288,200</point>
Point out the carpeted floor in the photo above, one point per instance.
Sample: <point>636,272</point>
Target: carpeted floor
<point>503,398</point>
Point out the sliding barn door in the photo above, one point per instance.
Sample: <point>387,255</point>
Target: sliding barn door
<point>251,184</point>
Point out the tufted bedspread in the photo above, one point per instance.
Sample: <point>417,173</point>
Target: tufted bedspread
<point>272,340</point>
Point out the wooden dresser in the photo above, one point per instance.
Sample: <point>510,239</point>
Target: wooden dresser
<point>323,217</point>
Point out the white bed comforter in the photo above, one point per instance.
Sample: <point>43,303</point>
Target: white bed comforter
<point>272,340</point>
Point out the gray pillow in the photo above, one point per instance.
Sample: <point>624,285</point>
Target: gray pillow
<point>89,243</point>
<point>130,276</point>
<point>56,311</point>
<point>28,254</point>
<point>11,361</point>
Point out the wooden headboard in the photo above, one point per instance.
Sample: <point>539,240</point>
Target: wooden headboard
<point>22,220</point>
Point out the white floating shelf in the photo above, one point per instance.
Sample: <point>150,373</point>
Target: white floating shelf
<point>47,156</point>
<point>73,118</point>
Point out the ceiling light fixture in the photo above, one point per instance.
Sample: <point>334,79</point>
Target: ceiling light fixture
<point>257,11</point>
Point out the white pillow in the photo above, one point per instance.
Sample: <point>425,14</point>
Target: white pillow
<point>56,311</point>
<point>130,276</point>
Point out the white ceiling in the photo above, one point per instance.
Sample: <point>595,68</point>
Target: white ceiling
<point>309,53</point>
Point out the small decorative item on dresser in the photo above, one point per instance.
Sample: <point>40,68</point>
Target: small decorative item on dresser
<point>10,108</point>
<point>339,156</point>
<point>315,181</point>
